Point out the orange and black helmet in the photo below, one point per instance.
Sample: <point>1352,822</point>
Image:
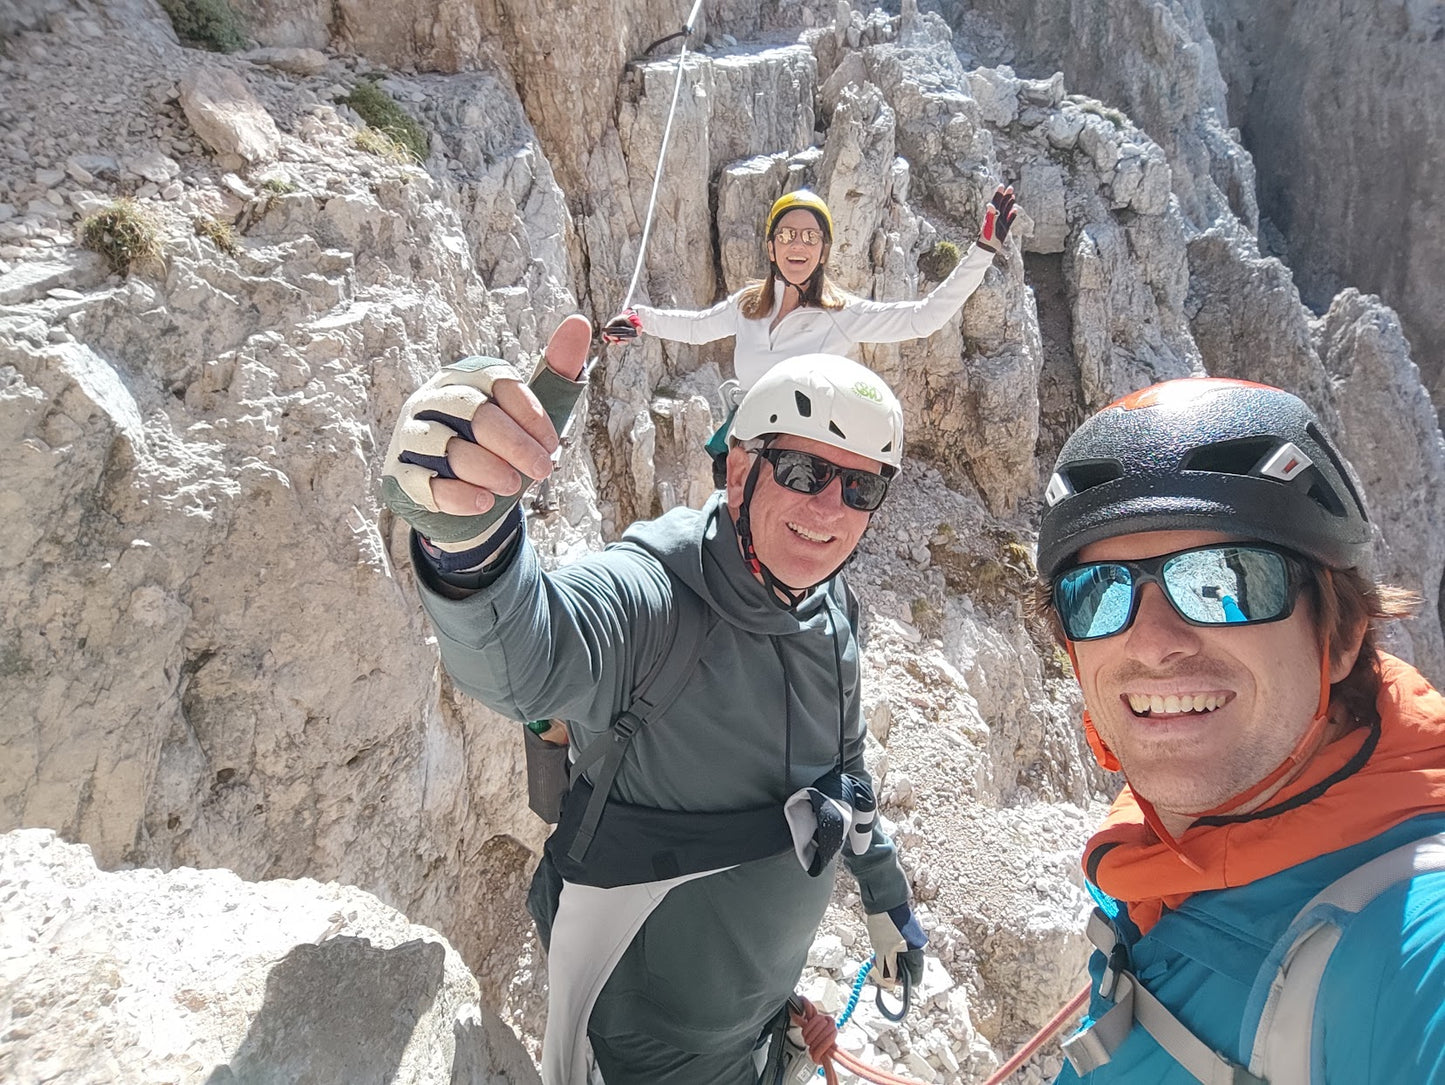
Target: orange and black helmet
<point>1206,454</point>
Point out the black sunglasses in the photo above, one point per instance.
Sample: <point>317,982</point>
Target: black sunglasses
<point>804,473</point>
<point>1206,585</point>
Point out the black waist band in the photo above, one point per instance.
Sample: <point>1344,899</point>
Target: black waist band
<point>637,844</point>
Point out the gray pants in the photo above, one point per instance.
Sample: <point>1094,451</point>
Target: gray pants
<point>637,1059</point>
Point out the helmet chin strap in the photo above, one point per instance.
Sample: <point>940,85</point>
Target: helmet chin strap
<point>1303,750</point>
<point>802,286</point>
<point>785,596</point>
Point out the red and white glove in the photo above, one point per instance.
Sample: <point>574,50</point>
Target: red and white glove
<point>624,326</point>
<point>998,217</point>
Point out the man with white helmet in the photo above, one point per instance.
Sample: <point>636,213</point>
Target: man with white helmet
<point>696,849</point>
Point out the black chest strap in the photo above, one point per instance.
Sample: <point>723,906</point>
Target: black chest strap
<point>653,696</point>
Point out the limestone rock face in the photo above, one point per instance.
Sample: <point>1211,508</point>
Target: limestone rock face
<point>226,117</point>
<point>211,651</point>
<point>1387,431</point>
<point>195,975</point>
<point>206,433</point>
<point>1155,62</point>
<point>1335,114</point>
<point>299,24</point>
<point>1362,83</point>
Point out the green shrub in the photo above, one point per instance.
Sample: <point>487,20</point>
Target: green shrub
<point>937,262</point>
<point>124,233</point>
<point>211,24</point>
<point>272,189</point>
<point>377,109</point>
<point>218,233</point>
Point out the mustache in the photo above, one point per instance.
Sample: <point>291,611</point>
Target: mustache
<point>1195,671</point>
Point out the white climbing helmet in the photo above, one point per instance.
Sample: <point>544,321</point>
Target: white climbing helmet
<point>826,398</point>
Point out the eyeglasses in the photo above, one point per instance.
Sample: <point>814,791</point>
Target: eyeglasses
<point>786,235</point>
<point>804,473</point>
<point>1206,585</point>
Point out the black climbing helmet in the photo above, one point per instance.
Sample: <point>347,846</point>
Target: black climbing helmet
<point>1207,454</point>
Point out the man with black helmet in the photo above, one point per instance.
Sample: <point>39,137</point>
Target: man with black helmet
<point>695,853</point>
<point>1271,881</point>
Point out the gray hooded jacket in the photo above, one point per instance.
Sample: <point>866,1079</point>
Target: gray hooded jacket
<point>765,710</point>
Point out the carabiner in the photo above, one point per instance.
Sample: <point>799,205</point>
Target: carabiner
<point>884,1010</point>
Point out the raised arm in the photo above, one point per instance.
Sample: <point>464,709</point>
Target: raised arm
<point>526,643</point>
<point>895,321</point>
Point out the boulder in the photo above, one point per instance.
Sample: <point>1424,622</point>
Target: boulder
<point>142,975</point>
<point>227,116</point>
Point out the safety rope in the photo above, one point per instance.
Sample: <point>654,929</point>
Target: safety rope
<point>820,1037</point>
<point>1058,1021</point>
<point>662,152</point>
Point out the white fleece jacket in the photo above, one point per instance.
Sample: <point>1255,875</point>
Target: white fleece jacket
<point>809,330</point>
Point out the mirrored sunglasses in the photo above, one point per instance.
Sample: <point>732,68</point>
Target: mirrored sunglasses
<point>805,473</point>
<point>1206,585</point>
<point>786,235</point>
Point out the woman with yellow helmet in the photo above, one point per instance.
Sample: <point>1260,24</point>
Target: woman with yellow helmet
<point>798,309</point>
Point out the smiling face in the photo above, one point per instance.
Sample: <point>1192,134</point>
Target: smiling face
<point>797,260</point>
<point>802,539</point>
<point>1195,714</point>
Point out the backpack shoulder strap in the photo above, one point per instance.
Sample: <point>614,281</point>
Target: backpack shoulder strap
<point>1134,1004</point>
<point>651,697</point>
<point>1287,983</point>
<point>1289,980</point>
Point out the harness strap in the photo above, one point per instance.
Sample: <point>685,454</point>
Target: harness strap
<point>1287,984</point>
<point>655,694</point>
<point>1282,1040</point>
<point>1135,1004</point>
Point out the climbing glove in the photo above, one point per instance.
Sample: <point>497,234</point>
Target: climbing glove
<point>998,217</point>
<point>625,325</point>
<point>441,409</point>
<point>837,809</point>
<point>898,942</point>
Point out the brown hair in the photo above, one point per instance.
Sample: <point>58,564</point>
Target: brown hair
<point>1343,601</point>
<point>819,292</point>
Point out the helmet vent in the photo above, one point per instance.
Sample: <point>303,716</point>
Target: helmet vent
<point>1086,474</point>
<point>1321,493</point>
<point>833,428</point>
<point>1230,457</point>
<point>805,405</point>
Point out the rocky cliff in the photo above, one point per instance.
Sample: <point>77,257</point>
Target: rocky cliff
<point>211,654</point>
<point>1336,112</point>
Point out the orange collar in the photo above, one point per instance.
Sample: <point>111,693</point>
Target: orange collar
<point>1353,789</point>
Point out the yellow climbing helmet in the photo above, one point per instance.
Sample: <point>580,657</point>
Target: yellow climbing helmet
<point>809,201</point>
